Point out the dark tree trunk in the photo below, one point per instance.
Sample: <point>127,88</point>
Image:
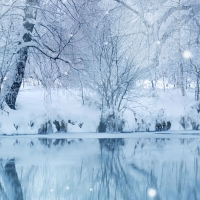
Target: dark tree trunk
<point>11,96</point>
<point>30,14</point>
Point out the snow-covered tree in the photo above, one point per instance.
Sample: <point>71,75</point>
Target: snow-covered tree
<point>16,72</point>
<point>168,28</point>
<point>43,38</point>
<point>111,71</point>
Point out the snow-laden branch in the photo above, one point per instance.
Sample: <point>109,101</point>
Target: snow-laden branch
<point>48,53</point>
<point>145,22</point>
<point>170,12</point>
<point>9,9</point>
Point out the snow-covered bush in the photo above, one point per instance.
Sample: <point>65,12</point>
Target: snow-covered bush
<point>191,120</point>
<point>184,121</point>
<point>142,125</point>
<point>162,123</point>
<point>46,128</point>
<point>111,123</point>
<point>152,122</point>
<point>194,124</point>
<point>60,125</point>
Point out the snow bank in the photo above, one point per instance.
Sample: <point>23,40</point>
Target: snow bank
<point>35,106</point>
<point>162,106</point>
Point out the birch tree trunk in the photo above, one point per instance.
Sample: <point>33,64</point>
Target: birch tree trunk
<point>181,81</point>
<point>16,74</point>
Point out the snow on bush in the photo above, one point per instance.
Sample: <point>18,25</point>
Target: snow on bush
<point>41,112</point>
<point>191,120</point>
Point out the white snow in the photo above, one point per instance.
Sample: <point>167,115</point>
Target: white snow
<point>88,135</point>
<point>35,106</point>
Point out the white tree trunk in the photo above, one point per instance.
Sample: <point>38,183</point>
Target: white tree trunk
<point>181,77</point>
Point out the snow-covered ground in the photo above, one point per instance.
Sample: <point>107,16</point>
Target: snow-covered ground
<point>35,106</point>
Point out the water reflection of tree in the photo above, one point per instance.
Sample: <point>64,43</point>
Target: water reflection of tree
<point>119,176</point>
<point>10,188</point>
<point>119,180</point>
<point>115,180</point>
<point>112,175</point>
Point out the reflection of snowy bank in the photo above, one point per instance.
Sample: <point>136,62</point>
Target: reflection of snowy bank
<point>93,169</point>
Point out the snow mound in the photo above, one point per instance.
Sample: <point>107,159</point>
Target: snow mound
<point>36,107</point>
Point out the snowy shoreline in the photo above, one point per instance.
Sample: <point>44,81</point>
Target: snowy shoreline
<point>33,114</point>
<point>161,134</point>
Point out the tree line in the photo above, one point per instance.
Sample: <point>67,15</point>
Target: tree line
<point>109,47</point>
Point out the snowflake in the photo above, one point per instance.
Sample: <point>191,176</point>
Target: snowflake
<point>152,192</point>
<point>187,54</point>
<point>107,12</point>
<point>158,42</point>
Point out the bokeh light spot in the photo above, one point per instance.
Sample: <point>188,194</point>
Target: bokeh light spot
<point>152,192</point>
<point>187,54</point>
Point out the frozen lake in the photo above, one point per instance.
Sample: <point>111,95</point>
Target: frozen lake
<point>60,168</point>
